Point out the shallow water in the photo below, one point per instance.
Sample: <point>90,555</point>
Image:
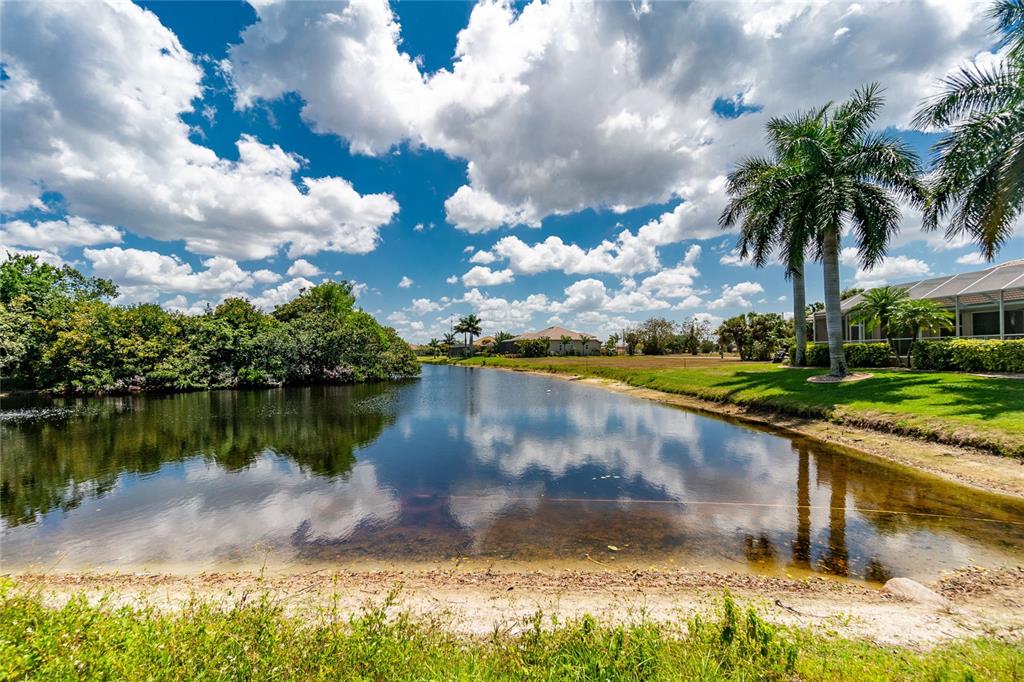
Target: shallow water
<point>481,465</point>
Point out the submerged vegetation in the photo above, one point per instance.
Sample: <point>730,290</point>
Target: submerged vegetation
<point>256,639</point>
<point>59,334</point>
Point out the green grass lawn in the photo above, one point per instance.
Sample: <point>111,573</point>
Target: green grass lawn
<point>257,640</point>
<point>954,408</point>
<point>432,359</point>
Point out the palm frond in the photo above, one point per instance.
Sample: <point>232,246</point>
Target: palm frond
<point>971,90</point>
<point>1009,18</point>
<point>852,120</point>
<point>876,220</point>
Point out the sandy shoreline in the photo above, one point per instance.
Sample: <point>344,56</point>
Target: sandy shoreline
<point>474,603</point>
<point>967,466</point>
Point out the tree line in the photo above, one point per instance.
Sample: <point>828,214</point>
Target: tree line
<point>59,332</point>
<point>828,175</point>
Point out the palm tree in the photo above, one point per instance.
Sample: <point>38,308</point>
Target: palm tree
<point>846,176</point>
<point>435,346</point>
<point>921,315</point>
<point>449,341</point>
<point>565,341</point>
<point>760,191</point>
<point>877,308</point>
<point>585,339</point>
<point>979,177</point>
<point>469,325</point>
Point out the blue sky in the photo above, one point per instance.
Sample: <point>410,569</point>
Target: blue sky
<point>542,163</point>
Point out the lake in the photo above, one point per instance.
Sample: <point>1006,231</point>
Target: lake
<point>468,467</point>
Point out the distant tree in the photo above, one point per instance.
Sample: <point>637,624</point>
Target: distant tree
<point>693,332</point>
<point>850,292</point>
<point>58,334</point>
<point>327,298</point>
<point>470,326</point>
<point>45,285</point>
<point>632,337</point>
<point>756,336</point>
<point>921,315</point>
<point>611,344</point>
<point>449,341</point>
<point>435,347</point>
<point>657,334</point>
<point>15,335</point>
<point>39,298</point>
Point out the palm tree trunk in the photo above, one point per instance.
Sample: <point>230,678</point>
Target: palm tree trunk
<point>833,313</point>
<point>888,339</point>
<point>799,317</point>
<point>910,348</point>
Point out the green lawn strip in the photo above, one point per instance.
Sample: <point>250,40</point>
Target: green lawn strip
<point>950,407</point>
<point>257,640</point>
<point>432,360</point>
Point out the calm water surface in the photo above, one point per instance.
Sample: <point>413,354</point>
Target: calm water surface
<point>480,465</point>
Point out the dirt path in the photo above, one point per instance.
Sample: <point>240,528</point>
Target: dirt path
<point>476,602</point>
<point>967,466</point>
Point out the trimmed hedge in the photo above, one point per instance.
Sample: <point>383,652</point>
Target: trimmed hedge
<point>969,355</point>
<point>857,355</point>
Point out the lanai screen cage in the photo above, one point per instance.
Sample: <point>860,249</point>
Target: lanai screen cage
<point>988,304</point>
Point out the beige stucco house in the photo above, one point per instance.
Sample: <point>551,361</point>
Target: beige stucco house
<point>575,344</point>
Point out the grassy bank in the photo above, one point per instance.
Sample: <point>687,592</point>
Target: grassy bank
<point>954,408</point>
<point>432,359</point>
<point>256,639</point>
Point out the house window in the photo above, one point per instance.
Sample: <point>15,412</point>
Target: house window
<point>986,324</point>
<point>1014,321</point>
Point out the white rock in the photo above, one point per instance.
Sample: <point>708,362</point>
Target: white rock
<point>911,590</point>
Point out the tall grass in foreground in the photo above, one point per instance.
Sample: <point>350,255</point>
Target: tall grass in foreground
<point>257,640</point>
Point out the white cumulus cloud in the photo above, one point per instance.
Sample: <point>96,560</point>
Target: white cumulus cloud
<point>483,276</point>
<point>92,109</point>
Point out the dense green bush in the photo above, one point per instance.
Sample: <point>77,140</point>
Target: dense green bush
<point>756,336</point>
<point>969,355</point>
<point>857,354</point>
<point>532,348</point>
<point>60,335</point>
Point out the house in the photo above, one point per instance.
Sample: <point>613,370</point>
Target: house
<point>483,342</point>
<point>987,304</point>
<point>575,343</point>
<point>459,350</point>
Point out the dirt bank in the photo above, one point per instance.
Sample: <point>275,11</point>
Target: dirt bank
<point>477,602</point>
<point>968,466</point>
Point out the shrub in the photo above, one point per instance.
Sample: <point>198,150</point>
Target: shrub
<point>532,348</point>
<point>857,354</point>
<point>969,355</point>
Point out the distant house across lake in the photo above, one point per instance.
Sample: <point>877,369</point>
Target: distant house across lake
<point>561,341</point>
<point>988,304</point>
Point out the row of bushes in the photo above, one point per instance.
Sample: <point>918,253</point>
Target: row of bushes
<point>969,355</point>
<point>952,355</point>
<point>857,354</point>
